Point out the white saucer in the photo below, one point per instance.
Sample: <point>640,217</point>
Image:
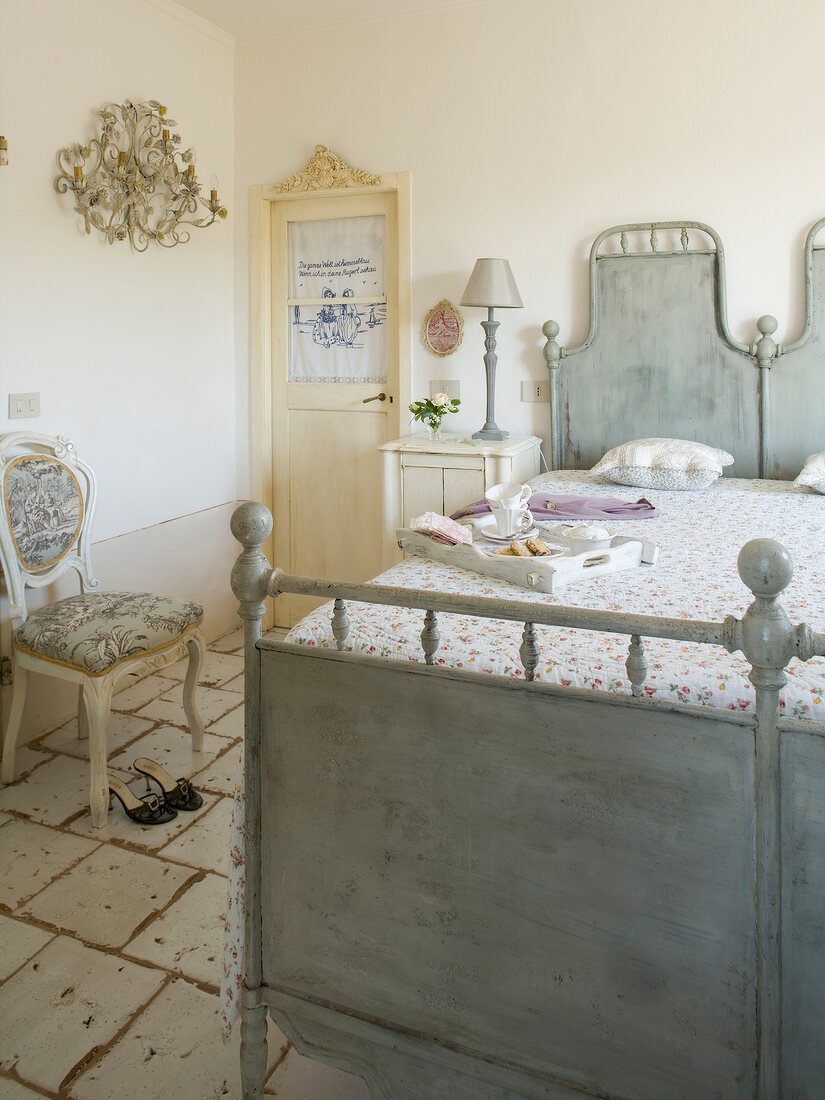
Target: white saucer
<point>486,527</point>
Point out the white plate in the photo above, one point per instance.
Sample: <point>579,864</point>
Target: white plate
<point>486,527</point>
<point>555,552</point>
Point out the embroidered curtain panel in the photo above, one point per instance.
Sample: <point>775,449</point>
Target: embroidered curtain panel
<point>337,300</point>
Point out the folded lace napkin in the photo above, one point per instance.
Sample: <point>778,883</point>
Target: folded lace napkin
<point>441,529</point>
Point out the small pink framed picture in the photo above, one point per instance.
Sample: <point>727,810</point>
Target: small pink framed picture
<point>443,329</point>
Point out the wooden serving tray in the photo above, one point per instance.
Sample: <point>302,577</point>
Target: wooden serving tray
<point>542,574</point>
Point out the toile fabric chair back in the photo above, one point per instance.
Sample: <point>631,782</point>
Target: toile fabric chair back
<point>48,506</point>
<point>92,639</point>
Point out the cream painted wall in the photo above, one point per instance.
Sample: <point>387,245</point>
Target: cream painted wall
<point>132,354</point>
<point>531,125</point>
<point>528,126</point>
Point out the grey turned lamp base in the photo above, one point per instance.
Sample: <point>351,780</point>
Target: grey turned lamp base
<point>491,433</point>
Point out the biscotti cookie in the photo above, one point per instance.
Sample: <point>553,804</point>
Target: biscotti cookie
<point>537,547</point>
<point>520,550</point>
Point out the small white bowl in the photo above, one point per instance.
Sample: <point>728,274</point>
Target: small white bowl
<point>588,536</point>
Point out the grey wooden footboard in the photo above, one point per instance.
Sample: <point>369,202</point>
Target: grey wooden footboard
<point>470,886</point>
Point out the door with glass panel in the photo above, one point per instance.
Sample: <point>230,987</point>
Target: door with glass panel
<point>334,383</point>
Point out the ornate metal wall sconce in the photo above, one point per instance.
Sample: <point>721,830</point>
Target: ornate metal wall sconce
<point>134,181</point>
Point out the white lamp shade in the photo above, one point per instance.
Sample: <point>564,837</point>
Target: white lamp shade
<point>492,284</point>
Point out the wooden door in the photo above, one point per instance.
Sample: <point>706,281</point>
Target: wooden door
<point>334,313</point>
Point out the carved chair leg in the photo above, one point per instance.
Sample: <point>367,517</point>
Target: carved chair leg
<point>18,701</point>
<point>97,698</point>
<point>253,1051</point>
<point>82,716</point>
<point>193,717</point>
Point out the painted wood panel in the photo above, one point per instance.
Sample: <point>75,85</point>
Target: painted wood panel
<point>422,491</point>
<point>412,1069</point>
<point>658,363</point>
<point>335,508</point>
<point>587,867</point>
<point>803,918</point>
<point>797,384</point>
<point>461,487</point>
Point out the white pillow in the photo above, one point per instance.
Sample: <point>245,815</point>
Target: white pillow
<point>813,472</point>
<point>663,464</point>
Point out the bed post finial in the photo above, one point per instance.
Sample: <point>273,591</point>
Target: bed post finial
<point>552,357</point>
<point>767,326</point>
<point>765,634</point>
<point>251,524</point>
<point>765,566</point>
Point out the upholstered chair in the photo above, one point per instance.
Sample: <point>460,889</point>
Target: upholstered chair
<point>92,639</point>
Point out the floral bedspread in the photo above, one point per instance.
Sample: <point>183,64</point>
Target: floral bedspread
<point>699,535</point>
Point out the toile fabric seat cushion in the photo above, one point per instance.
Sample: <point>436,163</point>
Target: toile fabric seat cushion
<point>96,631</point>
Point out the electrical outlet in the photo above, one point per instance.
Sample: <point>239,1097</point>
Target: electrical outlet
<point>535,391</point>
<point>23,405</point>
<point>450,386</point>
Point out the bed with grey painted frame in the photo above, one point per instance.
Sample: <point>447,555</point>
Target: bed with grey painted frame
<point>475,887</point>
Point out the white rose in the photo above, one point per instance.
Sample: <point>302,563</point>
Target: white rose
<point>441,399</point>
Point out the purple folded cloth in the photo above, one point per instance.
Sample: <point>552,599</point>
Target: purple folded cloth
<point>546,506</point>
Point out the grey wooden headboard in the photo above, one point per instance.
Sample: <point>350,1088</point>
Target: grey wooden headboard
<point>660,360</point>
<point>796,422</point>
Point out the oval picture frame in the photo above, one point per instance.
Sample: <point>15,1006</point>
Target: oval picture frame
<point>443,329</point>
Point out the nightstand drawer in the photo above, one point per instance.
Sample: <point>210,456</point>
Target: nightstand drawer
<point>444,462</point>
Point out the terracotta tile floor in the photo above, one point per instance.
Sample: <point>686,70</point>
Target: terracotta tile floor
<point>110,939</point>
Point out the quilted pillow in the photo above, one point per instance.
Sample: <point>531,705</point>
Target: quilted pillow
<point>663,464</point>
<point>813,473</point>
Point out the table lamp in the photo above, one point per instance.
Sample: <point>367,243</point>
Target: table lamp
<point>491,286</point>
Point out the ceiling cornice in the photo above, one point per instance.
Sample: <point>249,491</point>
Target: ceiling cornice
<point>184,15</point>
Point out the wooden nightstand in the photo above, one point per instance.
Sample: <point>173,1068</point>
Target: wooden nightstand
<point>421,475</point>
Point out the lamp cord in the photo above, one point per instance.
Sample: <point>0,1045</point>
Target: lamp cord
<point>542,459</point>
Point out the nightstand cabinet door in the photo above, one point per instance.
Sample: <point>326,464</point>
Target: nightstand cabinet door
<point>422,490</point>
<point>462,487</point>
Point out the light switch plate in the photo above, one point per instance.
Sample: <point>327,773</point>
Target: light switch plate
<point>535,391</point>
<point>23,405</point>
<point>450,386</point>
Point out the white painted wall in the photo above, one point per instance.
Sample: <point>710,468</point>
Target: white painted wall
<point>132,354</point>
<point>531,125</point>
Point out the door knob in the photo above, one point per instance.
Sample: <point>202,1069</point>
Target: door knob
<point>378,397</point>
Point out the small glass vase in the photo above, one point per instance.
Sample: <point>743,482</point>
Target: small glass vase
<point>434,430</point>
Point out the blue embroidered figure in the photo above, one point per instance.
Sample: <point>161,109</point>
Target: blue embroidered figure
<point>349,321</point>
<point>325,330</point>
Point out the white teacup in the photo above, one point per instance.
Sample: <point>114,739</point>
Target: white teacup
<point>508,503</point>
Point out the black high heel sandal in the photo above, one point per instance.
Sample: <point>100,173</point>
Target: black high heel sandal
<point>180,794</point>
<point>146,811</point>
